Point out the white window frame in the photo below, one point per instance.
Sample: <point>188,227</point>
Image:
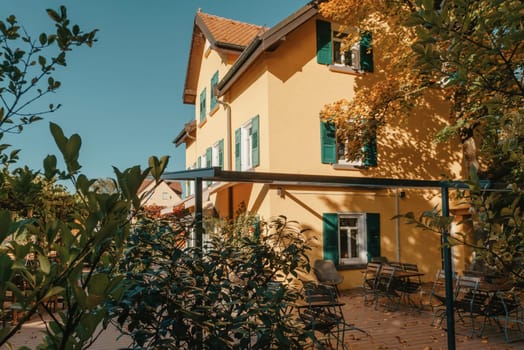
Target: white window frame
<point>246,146</point>
<point>190,184</point>
<point>215,154</point>
<point>337,39</point>
<point>360,241</point>
<point>342,153</point>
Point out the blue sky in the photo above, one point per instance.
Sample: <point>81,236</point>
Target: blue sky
<point>124,95</point>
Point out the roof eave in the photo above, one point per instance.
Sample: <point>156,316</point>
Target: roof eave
<point>185,133</point>
<point>265,42</point>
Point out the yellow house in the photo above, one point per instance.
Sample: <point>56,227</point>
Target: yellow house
<point>257,94</point>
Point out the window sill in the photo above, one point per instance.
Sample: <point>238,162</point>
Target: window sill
<point>348,167</point>
<point>214,110</point>
<point>344,69</point>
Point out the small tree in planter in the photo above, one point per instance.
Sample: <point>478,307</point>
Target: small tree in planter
<point>231,295</point>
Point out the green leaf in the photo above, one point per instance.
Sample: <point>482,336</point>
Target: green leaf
<point>73,147</point>
<point>5,224</point>
<point>50,169</point>
<point>45,264</point>
<point>158,166</point>
<point>54,291</point>
<point>59,137</point>
<point>43,39</point>
<point>54,15</point>
<point>5,268</point>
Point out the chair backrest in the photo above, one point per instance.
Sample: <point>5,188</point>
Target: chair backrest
<point>370,276</point>
<point>319,293</point>
<point>326,271</point>
<point>468,295</point>
<point>379,259</point>
<point>385,277</point>
<point>396,264</point>
<point>469,282</point>
<point>410,267</point>
<point>372,268</point>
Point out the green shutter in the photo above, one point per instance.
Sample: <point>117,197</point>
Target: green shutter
<point>370,153</point>
<point>203,105</point>
<point>324,50</point>
<point>214,82</point>
<point>366,52</point>
<point>209,157</point>
<point>328,143</point>
<point>221,153</point>
<point>255,142</point>
<point>373,234</point>
<point>199,162</point>
<point>330,236</point>
<point>238,164</point>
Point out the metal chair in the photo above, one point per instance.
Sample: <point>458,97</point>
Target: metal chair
<point>410,286</point>
<point>369,280</point>
<point>437,296</point>
<point>322,315</point>
<point>469,299</point>
<point>505,308</point>
<point>385,286</point>
<point>326,273</point>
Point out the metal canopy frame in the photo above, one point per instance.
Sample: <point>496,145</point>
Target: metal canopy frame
<point>219,175</point>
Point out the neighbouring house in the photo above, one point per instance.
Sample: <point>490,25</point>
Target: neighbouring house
<point>257,93</point>
<point>161,198</point>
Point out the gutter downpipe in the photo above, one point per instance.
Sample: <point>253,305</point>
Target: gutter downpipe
<point>448,271</point>
<point>227,107</point>
<point>397,224</point>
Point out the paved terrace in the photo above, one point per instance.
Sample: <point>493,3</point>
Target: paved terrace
<point>402,329</point>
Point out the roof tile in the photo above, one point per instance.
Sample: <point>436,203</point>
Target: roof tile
<point>230,31</point>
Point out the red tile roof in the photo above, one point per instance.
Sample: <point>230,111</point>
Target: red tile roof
<point>229,31</point>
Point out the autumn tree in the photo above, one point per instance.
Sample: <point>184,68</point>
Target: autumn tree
<point>470,52</point>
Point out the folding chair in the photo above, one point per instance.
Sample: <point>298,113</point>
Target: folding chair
<point>326,273</point>
<point>470,300</point>
<point>437,296</point>
<point>369,280</point>
<point>505,309</point>
<point>386,286</point>
<point>322,315</point>
<point>410,285</point>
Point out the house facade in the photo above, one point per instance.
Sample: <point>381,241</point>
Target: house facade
<point>160,197</point>
<point>258,93</point>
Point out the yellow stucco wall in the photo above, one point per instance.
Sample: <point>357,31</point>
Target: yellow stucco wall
<point>287,88</point>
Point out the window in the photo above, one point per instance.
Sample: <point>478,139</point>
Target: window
<point>214,83</point>
<point>345,58</point>
<point>247,145</point>
<point>203,111</point>
<point>204,161</point>
<point>190,184</point>
<point>217,154</point>
<point>351,238</point>
<point>334,150</point>
<point>330,52</point>
<point>165,196</point>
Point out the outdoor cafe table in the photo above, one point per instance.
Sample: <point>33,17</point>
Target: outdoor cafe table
<point>399,283</point>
